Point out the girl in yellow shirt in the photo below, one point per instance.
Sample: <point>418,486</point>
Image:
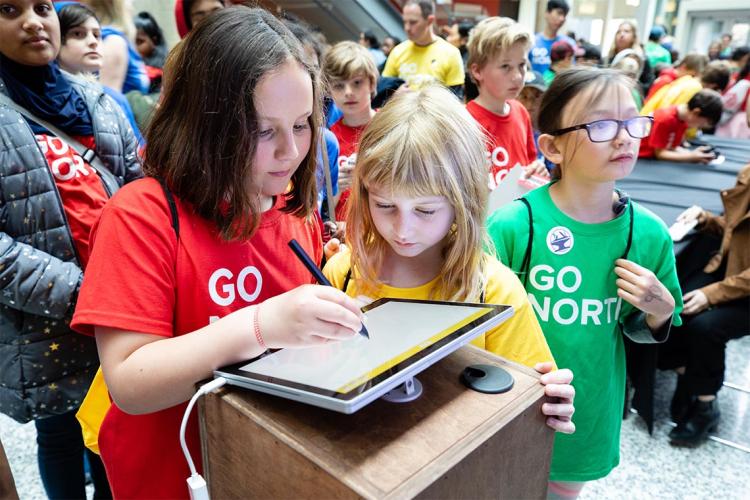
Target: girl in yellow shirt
<point>416,230</point>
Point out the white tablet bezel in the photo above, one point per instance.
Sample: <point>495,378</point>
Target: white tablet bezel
<point>374,388</point>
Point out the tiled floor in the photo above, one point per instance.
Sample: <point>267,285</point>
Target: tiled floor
<point>649,466</point>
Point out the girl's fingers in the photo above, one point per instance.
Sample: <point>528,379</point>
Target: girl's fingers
<point>331,331</point>
<point>631,266</point>
<point>628,286</point>
<point>558,410</point>
<point>331,294</point>
<point>331,312</point>
<point>561,425</point>
<point>628,297</point>
<point>627,274</point>
<point>564,376</point>
<point>562,391</point>
<point>545,367</point>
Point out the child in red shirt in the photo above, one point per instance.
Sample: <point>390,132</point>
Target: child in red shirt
<point>703,111</point>
<point>352,76</point>
<point>203,276</point>
<point>497,64</point>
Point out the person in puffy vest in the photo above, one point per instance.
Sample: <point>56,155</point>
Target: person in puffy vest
<point>65,148</point>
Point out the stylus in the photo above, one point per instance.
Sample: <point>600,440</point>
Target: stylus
<point>317,273</point>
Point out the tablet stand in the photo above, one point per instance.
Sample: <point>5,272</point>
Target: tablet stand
<point>410,390</point>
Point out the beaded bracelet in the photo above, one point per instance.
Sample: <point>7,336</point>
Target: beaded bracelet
<point>256,327</point>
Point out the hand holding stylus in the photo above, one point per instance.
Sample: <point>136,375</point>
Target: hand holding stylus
<point>317,273</point>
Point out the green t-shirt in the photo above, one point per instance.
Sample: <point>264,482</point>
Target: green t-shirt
<point>656,54</point>
<point>571,285</point>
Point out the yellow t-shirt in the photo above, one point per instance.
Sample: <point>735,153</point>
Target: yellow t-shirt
<point>419,65</point>
<point>679,91</point>
<point>519,339</point>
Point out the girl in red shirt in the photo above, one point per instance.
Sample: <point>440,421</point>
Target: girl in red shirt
<point>173,293</point>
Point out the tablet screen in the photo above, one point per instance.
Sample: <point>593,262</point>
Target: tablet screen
<point>399,330</point>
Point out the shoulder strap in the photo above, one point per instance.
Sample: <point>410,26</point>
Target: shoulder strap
<point>630,229</point>
<point>172,207</point>
<point>346,280</point>
<point>89,155</point>
<point>526,262</point>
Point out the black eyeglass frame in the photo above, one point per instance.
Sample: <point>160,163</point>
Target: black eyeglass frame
<point>620,125</point>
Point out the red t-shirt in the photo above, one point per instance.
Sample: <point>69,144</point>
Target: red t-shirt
<point>81,190</point>
<point>667,132</point>
<point>164,287</point>
<point>510,139</point>
<point>348,138</point>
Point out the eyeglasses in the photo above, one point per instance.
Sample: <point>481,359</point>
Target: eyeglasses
<point>638,127</point>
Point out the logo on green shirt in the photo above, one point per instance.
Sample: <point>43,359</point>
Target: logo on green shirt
<point>559,240</point>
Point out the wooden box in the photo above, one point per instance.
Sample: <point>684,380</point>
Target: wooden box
<point>452,442</point>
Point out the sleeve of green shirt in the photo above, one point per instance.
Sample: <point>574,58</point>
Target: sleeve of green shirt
<point>666,271</point>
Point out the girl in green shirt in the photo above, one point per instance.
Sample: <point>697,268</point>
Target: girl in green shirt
<point>594,264</point>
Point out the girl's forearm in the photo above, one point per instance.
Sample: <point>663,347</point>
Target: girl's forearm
<point>162,372</point>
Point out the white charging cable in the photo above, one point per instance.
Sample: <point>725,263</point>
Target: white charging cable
<point>196,484</point>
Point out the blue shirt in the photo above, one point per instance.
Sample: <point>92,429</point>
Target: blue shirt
<point>332,148</point>
<point>135,74</point>
<point>540,51</point>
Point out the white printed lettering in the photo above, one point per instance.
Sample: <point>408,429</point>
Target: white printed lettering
<point>247,297</point>
<point>224,294</point>
<point>500,157</point>
<point>57,146</point>
<point>228,289</point>
<point>547,281</point>
<point>608,302</point>
<point>591,308</point>
<point>543,312</point>
<point>576,279</point>
<point>574,311</point>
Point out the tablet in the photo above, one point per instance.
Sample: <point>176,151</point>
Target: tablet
<point>406,337</point>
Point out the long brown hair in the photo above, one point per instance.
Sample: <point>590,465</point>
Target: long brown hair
<point>204,135</point>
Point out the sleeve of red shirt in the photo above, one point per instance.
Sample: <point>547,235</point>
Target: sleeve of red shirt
<point>663,125</point>
<point>129,283</point>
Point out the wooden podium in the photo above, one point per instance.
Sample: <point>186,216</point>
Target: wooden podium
<point>452,442</point>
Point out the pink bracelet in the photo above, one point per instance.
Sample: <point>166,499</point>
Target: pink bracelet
<point>256,327</point>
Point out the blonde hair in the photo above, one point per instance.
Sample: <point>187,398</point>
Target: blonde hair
<point>495,35</point>
<point>424,144</point>
<point>635,44</point>
<point>114,13</point>
<point>346,60</point>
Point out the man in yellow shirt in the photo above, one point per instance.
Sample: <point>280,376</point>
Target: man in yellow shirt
<point>424,57</point>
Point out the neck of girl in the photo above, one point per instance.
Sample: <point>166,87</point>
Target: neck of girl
<point>495,106</point>
<point>358,119</point>
<point>266,203</point>
<point>410,272</point>
<point>585,201</point>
